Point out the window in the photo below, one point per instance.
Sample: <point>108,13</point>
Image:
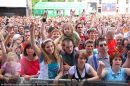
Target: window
<point>117,1</point>
<point>127,1</point>
<point>99,9</point>
<point>100,1</point>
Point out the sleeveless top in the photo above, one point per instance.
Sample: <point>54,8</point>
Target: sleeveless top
<point>73,71</point>
<point>48,71</point>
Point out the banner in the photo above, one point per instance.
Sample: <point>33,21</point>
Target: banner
<point>108,7</point>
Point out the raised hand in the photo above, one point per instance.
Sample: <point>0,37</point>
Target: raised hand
<point>101,64</point>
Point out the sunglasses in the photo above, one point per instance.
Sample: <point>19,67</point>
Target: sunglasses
<point>101,45</point>
<point>119,39</point>
<point>80,27</point>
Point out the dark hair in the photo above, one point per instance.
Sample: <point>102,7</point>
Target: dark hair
<point>128,47</point>
<point>24,51</point>
<point>68,40</point>
<point>125,39</point>
<point>77,25</point>
<point>101,38</point>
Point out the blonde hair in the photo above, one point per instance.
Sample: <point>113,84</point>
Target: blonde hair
<point>68,25</point>
<point>47,58</point>
<point>12,56</point>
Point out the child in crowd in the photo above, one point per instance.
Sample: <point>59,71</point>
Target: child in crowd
<point>68,32</point>
<point>11,68</point>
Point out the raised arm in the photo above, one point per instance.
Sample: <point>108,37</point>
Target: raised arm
<point>101,71</point>
<point>127,70</point>
<point>43,31</point>
<point>32,36</point>
<point>2,44</point>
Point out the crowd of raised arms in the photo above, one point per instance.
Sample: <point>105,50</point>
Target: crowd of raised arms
<point>92,48</point>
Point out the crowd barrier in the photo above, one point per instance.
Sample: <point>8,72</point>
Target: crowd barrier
<point>69,82</point>
<point>66,82</point>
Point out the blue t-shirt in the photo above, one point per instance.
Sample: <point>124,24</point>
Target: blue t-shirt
<point>48,71</point>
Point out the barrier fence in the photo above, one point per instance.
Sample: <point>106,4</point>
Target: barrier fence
<point>66,82</point>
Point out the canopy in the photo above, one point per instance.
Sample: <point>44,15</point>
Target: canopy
<point>60,5</point>
<point>51,7</point>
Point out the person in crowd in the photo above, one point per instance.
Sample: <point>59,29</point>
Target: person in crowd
<point>89,48</point>
<point>124,44</point>
<point>54,33</point>
<point>10,70</point>
<point>68,32</point>
<point>10,67</point>
<point>101,56</point>
<point>50,60</point>
<point>111,42</point>
<point>82,70</point>
<point>126,63</point>
<point>79,30</point>
<point>115,72</point>
<point>21,30</point>
<point>119,47</point>
<point>26,39</point>
<point>92,34</point>
<point>29,63</point>
<point>3,51</point>
<point>68,55</point>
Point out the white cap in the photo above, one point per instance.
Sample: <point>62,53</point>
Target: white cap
<point>16,36</point>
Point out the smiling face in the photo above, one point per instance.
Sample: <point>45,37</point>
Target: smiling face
<point>30,51</point>
<point>49,47</point>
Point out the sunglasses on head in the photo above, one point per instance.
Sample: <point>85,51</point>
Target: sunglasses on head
<point>101,45</point>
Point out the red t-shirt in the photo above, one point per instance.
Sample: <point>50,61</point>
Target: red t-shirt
<point>29,67</point>
<point>111,46</point>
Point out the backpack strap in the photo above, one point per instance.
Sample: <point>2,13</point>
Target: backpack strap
<point>78,73</point>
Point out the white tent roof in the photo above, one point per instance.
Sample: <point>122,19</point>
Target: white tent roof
<point>12,3</point>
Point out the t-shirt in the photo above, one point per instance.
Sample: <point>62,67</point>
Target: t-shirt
<point>29,67</point>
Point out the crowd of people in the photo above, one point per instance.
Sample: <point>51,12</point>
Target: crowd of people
<point>83,48</point>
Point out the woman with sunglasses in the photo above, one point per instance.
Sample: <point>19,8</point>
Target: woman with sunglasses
<point>115,72</point>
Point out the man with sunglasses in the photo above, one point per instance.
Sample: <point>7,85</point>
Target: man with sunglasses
<point>101,56</point>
